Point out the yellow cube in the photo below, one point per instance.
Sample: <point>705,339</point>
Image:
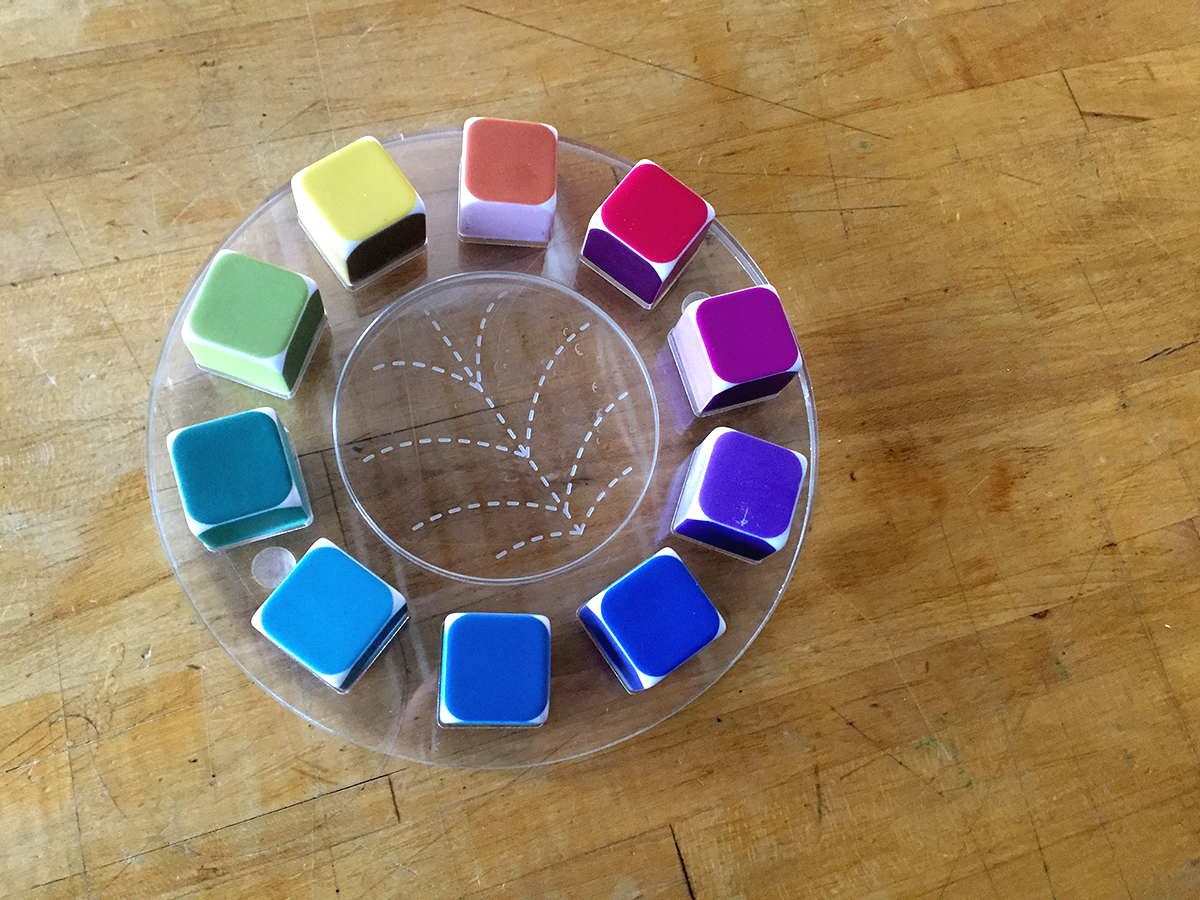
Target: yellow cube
<point>360,211</point>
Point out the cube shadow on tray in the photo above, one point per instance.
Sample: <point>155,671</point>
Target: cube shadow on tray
<point>239,479</point>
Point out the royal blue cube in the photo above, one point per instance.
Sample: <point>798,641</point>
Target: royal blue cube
<point>740,494</point>
<point>495,670</point>
<point>652,621</point>
<point>332,615</point>
<point>239,479</point>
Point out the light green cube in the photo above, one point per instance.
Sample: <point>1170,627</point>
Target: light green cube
<point>255,323</point>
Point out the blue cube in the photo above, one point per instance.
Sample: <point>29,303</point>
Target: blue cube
<point>332,615</point>
<point>239,479</point>
<point>740,494</point>
<point>495,670</point>
<point>651,621</point>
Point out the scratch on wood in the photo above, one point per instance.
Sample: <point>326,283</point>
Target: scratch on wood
<point>686,878</point>
<point>1168,351</point>
<point>395,804</point>
<point>676,72</point>
<point>820,799</point>
<point>897,760</point>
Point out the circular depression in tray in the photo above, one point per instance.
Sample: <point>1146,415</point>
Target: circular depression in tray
<point>487,428</point>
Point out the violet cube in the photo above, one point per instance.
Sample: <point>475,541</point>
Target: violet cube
<point>734,349</point>
<point>645,232</point>
<point>740,494</point>
<point>651,621</point>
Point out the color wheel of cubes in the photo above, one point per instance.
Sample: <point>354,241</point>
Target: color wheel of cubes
<point>258,324</point>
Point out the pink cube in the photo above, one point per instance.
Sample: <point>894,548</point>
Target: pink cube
<point>645,232</point>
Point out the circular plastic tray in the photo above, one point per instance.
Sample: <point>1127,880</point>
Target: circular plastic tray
<point>486,428</point>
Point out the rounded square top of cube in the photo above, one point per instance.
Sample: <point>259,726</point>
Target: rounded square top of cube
<point>655,213</point>
<point>238,478</point>
<point>358,190</point>
<point>248,304</point>
<point>506,161</point>
<point>332,614</point>
<point>740,494</point>
<point>495,670</point>
<point>747,334</point>
<point>254,322</point>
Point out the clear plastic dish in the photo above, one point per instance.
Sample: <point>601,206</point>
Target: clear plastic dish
<point>487,428</point>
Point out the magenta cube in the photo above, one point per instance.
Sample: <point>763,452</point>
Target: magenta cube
<point>740,494</point>
<point>734,349</point>
<point>645,232</point>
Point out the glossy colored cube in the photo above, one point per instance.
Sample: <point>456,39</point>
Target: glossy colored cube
<point>651,621</point>
<point>734,349</point>
<point>239,479</point>
<point>740,494</point>
<point>645,232</point>
<point>507,182</point>
<point>495,670</point>
<point>255,323</point>
<point>332,615</point>
<point>360,211</point>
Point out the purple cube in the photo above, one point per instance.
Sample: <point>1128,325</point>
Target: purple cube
<point>734,349</point>
<point>740,494</point>
<point>645,232</point>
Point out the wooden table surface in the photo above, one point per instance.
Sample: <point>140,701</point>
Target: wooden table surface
<point>984,679</point>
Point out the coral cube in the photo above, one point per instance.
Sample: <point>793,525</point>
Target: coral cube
<point>495,670</point>
<point>332,615</point>
<point>740,494</point>
<point>255,323</point>
<point>734,349</point>
<point>507,182</point>
<point>652,620</point>
<point>239,479</point>
<point>360,211</point>
<point>645,232</point>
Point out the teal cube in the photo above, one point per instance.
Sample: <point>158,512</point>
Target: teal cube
<point>255,323</point>
<point>332,615</point>
<point>239,479</point>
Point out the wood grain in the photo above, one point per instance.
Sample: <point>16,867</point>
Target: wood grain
<point>982,681</point>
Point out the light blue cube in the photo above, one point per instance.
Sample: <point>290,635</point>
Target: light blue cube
<point>651,621</point>
<point>239,479</point>
<point>332,615</point>
<point>495,670</point>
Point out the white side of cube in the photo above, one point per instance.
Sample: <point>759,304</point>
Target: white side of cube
<point>700,382</point>
<point>446,717</point>
<point>540,718</point>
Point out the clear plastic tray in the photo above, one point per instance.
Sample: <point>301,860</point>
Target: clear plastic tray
<point>487,428</point>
